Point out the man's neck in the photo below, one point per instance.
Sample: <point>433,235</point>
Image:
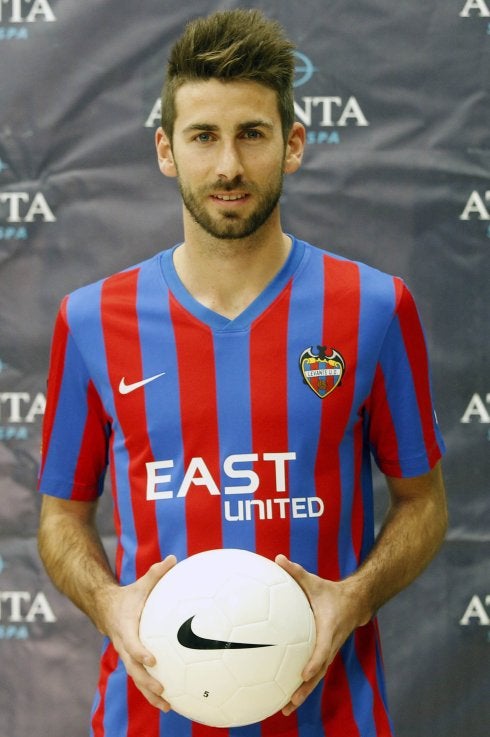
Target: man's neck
<point>228,275</point>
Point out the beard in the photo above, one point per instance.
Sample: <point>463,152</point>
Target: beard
<point>231,225</point>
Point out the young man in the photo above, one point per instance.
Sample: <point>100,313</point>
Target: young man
<point>237,385</point>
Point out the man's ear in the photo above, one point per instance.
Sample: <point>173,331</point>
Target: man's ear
<point>294,148</point>
<point>165,156</point>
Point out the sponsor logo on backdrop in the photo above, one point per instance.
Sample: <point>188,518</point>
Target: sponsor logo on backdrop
<point>477,207</point>
<point>16,14</point>
<point>477,411</point>
<point>19,411</point>
<point>19,209</point>
<point>476,9</point>
<point>20,610</point>
<point>477,614</point>
<point>324,116</point>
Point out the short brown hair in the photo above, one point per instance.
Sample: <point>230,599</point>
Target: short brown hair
<point>232,45</point>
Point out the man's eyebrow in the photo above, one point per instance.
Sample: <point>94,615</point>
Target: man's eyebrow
<point>200,127</point>
<point>257,123</point>
<point>246,125</point>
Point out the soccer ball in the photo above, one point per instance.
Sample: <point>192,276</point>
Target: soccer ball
<point>231,632</point>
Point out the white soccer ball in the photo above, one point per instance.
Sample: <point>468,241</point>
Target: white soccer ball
<point>231,632</point>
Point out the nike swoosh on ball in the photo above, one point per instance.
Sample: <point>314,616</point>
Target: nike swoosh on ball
<point>188,638</point>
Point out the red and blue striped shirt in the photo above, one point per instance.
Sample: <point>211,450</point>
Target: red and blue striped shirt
<point>256,432</point>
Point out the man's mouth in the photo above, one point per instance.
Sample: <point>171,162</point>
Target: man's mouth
<point>230,197</point>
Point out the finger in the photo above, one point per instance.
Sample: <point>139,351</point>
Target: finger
<point>147,684</point>
<point>322,655</point>
<point>152,690</point>
<point>140,653</point>
<point>320,658</point>
<point>133,649</point>
<point>157,701</point>
<point>302,693</point>
<point>158,570</point>
<point>294,569</point>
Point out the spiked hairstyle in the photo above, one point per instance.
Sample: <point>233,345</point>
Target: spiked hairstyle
<point>232,45</point>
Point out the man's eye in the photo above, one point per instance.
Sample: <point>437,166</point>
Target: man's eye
<point>252,134</point>
<point>203,137</point>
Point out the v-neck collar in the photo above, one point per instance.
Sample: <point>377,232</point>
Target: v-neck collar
<point>242,321</point>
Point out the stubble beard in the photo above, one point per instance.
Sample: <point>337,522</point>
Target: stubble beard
<point>231,225</point>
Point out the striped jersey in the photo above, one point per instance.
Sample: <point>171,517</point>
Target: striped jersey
<point>256,432</point>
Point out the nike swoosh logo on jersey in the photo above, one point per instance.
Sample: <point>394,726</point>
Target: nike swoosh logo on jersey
<point>128,388</point>
<point>189,639</point>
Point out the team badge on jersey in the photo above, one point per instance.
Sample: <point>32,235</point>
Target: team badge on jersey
<point>323,373</point>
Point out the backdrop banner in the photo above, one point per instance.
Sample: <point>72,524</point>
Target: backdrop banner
<point>394,97</point>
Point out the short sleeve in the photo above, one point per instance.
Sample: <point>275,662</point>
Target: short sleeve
<point>402,427</point>
<point>76,429</point>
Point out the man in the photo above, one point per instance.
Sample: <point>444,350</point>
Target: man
<point>236,384</point>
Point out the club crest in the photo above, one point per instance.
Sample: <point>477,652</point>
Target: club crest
<point>321,371</point>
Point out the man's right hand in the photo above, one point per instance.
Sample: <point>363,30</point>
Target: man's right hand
<point>120,617</point>
<point>74,557</point>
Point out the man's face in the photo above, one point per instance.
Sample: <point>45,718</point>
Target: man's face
<point>229,155</point>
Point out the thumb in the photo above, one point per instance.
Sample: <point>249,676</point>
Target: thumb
<point>149,581</point>
<point>157,571</point>
<point>294,569</point>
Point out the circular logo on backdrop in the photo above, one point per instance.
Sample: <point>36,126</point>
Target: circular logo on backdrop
<point>304,69</point>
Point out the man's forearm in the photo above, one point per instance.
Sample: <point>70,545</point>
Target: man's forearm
<point>74,557</point>
<point>411,535</point>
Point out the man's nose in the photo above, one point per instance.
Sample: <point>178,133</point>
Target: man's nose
<point>229,164</point>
